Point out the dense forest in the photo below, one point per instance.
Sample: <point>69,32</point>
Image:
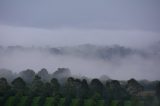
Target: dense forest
<point>60,88</point>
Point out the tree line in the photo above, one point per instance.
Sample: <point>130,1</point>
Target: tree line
<point>62,85</point>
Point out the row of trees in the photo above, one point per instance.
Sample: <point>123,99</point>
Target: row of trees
<point>75,88</point>
<point>62,85</point>
<point>29,74</point>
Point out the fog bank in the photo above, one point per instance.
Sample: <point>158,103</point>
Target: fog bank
<point>120,65</point>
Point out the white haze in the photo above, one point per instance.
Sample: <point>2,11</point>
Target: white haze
<point>133,66</point>
<point>119,68</point>
<point>29,36</point>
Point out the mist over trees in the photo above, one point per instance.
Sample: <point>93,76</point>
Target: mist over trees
<point>109,60</point>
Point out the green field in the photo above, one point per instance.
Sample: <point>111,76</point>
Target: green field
<point>12,101</point>
<point>49,101</point>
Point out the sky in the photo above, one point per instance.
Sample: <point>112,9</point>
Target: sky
<point>131,23</point>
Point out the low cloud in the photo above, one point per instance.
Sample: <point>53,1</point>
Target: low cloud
<point>130,66</point>
<point>28,36</point>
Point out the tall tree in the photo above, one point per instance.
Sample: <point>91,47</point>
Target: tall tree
<point>133,87</point>
<point>55,86</point>
<point>115,90</point>
<point>96,86</point>
<point>62,74</point>
<point>19,85</point>
<point>28,75</point>
<point>158,90</point>
<point>37,86</point>
<point>84,90</point>
<point>77,85</point>
<point>70,88</point>
<point>4,86</point>
<point>47,89</point>
<point>43,73</point>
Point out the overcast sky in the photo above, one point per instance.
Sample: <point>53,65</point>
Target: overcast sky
<point>132,23</point>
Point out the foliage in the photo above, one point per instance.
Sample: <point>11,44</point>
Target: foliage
<point>37,86</point>
<point>18,85</point>
<point>133,87</point>
<point>158,90</point>
<point>4,86</point>
<point>73,91</point>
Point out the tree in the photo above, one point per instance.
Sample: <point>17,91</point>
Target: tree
<point>43,73</point>
<point>37,86</point>
<point>4,86</point>
<point>77,85</point>
<point>84,90</point>
<point>158,90</point>
<point>62,73</point>
<point>47,89</point>
<point>70,88</point>
<point>96,86</point>
<point>55,86</point>
<point>7,74</point>
<point>115,91</point>
<point>28,75</point>
<point>133,87</point>
<point>19,85</point>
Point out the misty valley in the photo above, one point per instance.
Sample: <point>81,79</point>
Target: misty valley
<point>79,52</point>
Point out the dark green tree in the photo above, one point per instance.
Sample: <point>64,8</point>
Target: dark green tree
<point>115,90</point>
<point>55,86</point>
<point>4,86</point>
<point>19,85</point>
<point>158,90</point>
<point>70,88</point>
<point>4,90</point>
<point>47,89</point>
<point>133,87</point>
<point>96,87</point>
<point>37,86</point>
<point>77,85</point>
<point>84,90</point>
